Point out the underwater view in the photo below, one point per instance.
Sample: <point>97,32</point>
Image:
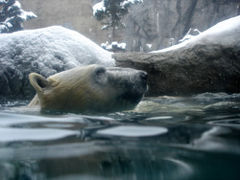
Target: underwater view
<point>163,138</point>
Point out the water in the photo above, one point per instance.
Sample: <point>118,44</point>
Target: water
<point>164,138</point>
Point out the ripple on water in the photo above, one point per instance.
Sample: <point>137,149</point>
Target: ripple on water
<point>235,123</point>
<point>158,118</point>
<point>132,131</point>
<point>36,134</point>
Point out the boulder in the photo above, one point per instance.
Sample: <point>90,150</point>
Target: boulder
<point>45,51</point>
<point>209,62</point>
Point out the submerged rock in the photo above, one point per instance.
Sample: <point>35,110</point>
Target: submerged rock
<point>209,62</point>
<point>45,51</point>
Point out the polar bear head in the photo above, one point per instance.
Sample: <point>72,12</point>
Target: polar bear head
<point>91,88</point>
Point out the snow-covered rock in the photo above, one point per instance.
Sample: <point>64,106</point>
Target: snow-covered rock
<point>208,62</point>
<point>45,51</point>
<point>224,33</point>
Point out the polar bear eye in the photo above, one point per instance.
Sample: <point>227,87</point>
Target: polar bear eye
<point>100,70</point>
<point>100,75</point>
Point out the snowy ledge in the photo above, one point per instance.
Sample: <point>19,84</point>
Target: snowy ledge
<point>47,44</point>
<point>223,33</point>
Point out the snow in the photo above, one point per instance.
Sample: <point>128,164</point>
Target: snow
<point>224,33</point>
<point>15,5</point>
<point>51,49</point>
<point>17,16</point>
<point>99,7</point>
<point>190,34</point>
<point>114,46</point>
<point>149,46</point>
<point>105,27</point>
<point>25,15</point>
<point>119,45</point>
<point>8,19</point>
<point>2,27</point>
<point>9,25</point>
<point>126,3</point>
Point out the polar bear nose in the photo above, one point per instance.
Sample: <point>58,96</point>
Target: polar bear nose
<point>143,75</point>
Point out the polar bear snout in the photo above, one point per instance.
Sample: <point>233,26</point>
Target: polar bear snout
<point>140,82</point>
<point>143,75</point>
<point>143,78</point>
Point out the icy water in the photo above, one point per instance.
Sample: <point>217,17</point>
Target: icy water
<point>164,138</point>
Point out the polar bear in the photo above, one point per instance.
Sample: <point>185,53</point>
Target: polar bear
<point>88,89</point>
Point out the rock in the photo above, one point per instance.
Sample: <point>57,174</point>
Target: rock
<point>209,62</point>
<point>45,51</point>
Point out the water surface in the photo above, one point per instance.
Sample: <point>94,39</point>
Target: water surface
<point>164,138</point>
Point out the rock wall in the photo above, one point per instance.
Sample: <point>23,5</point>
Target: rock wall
<point>159,23</point>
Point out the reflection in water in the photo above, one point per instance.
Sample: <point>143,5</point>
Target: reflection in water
<point>132,131</point>
<point>128,162</point>
<point>36,134</point>
<point>124,161</point>
<point>213,140</point>
<point>164,138</point>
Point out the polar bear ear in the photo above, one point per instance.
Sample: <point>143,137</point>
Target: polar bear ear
<point>38,82</point>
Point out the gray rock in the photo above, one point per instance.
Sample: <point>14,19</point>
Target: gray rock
<point>209,62</point>
<point>45,51</point>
